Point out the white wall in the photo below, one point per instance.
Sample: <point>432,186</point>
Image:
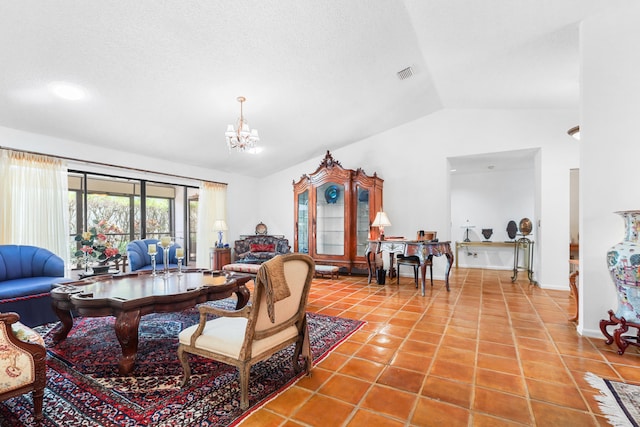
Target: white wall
<point>416,177</point>
<point>490,199</point>
<point>609,151</point>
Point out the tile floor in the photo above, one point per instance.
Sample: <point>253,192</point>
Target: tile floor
<point>488,353</point>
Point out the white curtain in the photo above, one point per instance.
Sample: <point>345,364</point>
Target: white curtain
<point>35,202</point>
<point>212,205</point>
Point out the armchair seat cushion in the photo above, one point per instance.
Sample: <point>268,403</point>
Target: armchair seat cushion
<point>225,335</point>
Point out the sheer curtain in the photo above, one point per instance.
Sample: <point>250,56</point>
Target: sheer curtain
<point>212,205</point>
<point>35,202</point>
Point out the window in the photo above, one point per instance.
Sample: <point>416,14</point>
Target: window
<point>117,205</point>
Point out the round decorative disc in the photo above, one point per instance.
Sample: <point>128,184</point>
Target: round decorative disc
<point>261,228</point>
<point>525,226</point>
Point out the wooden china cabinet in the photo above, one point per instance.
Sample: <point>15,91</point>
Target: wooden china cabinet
<point>333,211</point>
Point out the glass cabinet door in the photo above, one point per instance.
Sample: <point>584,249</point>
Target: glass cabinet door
<point>303,222</point>
<point>330,212</point>
<point>362,221</point>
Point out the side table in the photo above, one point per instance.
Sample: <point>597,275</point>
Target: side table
<point>527,245</point>
<point>220,257</point>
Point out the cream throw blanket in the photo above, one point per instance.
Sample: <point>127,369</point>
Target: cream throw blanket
<point>271,276</point>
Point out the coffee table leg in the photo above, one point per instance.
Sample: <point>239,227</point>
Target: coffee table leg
<point>67,323</point>
<point>243,295</point>
<point>127,332</point>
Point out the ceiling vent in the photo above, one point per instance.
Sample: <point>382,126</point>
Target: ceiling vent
<point>405,74</point>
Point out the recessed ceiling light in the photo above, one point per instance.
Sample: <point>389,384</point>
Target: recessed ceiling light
<point>68,91</point>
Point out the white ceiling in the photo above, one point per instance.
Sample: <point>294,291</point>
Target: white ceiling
<point>162,77</point>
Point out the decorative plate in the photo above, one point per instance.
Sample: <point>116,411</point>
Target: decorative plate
<point>512,229</point>
<point>331,193</point>
<point>261,228</point>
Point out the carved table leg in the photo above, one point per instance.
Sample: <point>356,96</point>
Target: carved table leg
<point>243,295</point>
<point>423,271</point>
<point>621,342</point>
<point>369,268</point>
<point>392,268</point>
<point>66,319</point>
<point>126,326</point>
<point>604,323</point>
<point>450,263</point>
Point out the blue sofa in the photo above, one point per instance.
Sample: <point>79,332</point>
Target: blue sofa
<point>139,258</point>
<point>27,275</point>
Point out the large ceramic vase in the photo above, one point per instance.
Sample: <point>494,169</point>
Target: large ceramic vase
<point>623,260</point>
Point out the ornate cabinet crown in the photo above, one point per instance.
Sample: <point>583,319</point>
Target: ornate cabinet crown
<point>333,211</point>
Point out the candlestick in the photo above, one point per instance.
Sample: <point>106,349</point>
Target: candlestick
<point>179,253</point>
<point>152,248</point>
<point>180,258</point>
<point>165,243</point>
<point>153,261</point>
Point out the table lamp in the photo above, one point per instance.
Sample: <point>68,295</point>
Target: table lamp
<point>381,221</point>
<point>220,225</point>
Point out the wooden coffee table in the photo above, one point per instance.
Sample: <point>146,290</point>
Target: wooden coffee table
<point>130,296</point>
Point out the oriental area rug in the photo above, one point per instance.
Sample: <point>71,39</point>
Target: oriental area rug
<point>84,388</point>
<point>619,402</point>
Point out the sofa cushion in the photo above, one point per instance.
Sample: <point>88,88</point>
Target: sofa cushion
<point>257,247</point>
<point>261,256</point>
<point>28,286</point>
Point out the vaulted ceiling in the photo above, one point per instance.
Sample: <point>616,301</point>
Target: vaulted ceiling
<point>162,78</point>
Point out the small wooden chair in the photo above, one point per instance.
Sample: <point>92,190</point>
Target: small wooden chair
<point>22,361</point>
<point>414,262</point>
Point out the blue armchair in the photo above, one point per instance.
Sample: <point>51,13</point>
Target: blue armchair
<point>27,275</point>
<point>139,258</point>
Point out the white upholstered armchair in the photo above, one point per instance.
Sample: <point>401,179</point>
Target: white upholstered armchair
<point>275,318</point>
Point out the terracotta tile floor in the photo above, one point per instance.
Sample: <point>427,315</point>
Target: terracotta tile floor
<point>488,353</point>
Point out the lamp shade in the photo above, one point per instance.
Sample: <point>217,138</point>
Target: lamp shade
<point>381,220</point>
<point>220,225</point>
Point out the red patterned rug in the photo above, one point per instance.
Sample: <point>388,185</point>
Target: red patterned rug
<point>84,388</point>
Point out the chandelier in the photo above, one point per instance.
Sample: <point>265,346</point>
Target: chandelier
<point>243,138</point>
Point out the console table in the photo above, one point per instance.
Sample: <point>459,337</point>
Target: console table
<point>522,243</point>
<point>423,250</point>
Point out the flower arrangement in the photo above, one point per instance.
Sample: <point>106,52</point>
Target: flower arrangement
<point>95,244</point>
